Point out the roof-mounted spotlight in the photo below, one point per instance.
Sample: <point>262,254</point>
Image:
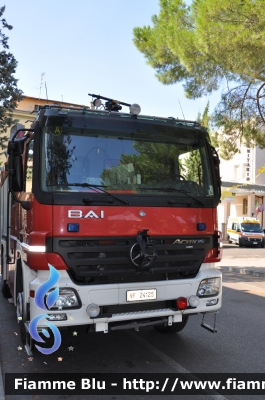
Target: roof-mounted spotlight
<point>114,105</point>
<point>135,109</point>
<point>97,102</point>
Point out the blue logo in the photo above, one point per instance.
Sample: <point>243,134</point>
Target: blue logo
<point>50,300</point>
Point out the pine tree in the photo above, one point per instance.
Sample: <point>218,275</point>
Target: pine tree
<point>208,45</point>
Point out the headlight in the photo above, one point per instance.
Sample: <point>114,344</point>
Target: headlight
<point>209,287</point>
<point>67,298</point>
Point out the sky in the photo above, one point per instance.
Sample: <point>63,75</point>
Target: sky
<point>67,49</point>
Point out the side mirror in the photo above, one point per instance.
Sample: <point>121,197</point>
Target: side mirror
<point>15,150</point>
<point>15,171</point>
<point>216,163</point>
<point>16,147</point>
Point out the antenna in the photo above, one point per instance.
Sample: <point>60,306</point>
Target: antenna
<point>46,91</point>
<point>181,110</point>
<point>41,79</point>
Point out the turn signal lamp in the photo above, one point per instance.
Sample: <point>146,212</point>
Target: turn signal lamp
<point>57,317</point>
<point>182,303</point>
<point>212,302</point>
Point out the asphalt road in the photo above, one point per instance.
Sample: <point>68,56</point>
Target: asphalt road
<point>238,346</point>
<point>236,251</point>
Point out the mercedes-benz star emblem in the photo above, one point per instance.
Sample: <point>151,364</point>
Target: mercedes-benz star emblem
<point>136,254</point>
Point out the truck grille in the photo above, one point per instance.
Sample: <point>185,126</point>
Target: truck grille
<point>107,260</point>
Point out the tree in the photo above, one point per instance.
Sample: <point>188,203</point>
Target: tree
<point>208,45</point>
<point>9,93</point>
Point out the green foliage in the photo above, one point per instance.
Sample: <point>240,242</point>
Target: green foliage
<point>155,163</point>
<point>209,44</point>
<point>192,167</point>
<point>59,157</point>
<point>9,93</point>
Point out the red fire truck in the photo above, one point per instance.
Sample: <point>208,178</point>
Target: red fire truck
<point>124,206</point>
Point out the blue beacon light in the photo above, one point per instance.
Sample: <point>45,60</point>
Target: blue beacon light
<point>201,226</point>
<point>72,227</point>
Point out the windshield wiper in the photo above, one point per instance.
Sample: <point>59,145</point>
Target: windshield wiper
<point>99,187</point>
<point>169,189</point>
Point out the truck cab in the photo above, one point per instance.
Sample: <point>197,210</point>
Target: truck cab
<point>123,207</point>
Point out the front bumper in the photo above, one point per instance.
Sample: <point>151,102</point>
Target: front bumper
<point>250,241</point>
<point>115,294</point>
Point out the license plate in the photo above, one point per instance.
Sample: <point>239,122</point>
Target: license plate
<point>141,295</point>
<point>255,242</point>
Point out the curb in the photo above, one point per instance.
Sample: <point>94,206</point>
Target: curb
<point>243,271</point>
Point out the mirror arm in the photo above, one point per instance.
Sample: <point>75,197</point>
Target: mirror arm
<point>24,203</point>
<point>20,130</point>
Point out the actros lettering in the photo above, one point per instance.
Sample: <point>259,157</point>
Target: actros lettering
<point>188,241</point>
<point>79,214</point>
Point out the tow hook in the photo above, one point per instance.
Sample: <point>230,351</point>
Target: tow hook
<point>208,327</point>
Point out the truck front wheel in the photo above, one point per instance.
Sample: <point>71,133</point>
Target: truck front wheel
<point>21,315</point>
<point>174,328</point>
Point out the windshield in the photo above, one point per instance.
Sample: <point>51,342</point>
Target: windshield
<point>74,158</point>
<point>251,228</point>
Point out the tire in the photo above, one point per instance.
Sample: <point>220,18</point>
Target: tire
<point>240,243</point>
<point>229,240</point>
<point>5,290</point>
<point>262,246</point>
<point>174,328</point>
<point>20,300</point>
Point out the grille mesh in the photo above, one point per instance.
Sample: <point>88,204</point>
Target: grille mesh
<point>106,260</point>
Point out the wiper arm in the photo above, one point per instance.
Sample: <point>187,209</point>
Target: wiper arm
<point>169,189</point>
<point>94,187</point>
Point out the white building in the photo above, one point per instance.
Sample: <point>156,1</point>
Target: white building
<point>243,186</point>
